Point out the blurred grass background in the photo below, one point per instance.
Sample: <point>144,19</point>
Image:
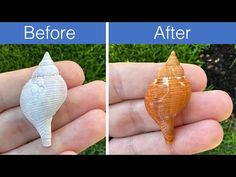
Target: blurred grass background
<point>186,54</point>
<point>90,57</point>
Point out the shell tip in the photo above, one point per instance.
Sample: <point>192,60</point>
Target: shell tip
<point>169,141</point>
<point>44,130</point>
<point>47,55</point>
<point>172,58</point>
<point>173,53</point>
<point>47,60</point>
<point>46,142</point>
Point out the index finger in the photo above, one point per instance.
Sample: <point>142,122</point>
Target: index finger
<point>130,80</point>
<point>11,83</point>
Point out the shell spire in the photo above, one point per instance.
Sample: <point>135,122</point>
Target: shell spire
<point>172,60</point>
<point>46,67</point>
<point>171,68</point>
<point>47,60</point>
<point>167,96</point>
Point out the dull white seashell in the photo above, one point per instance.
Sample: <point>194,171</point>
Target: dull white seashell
<point>42,96</point>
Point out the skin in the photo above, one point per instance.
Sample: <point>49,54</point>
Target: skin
<point>78,124</point>
<point>197,127</point>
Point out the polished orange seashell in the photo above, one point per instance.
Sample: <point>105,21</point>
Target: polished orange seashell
<point>167,96</point>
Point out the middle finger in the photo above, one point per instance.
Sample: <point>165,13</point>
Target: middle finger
<point>130,117</point>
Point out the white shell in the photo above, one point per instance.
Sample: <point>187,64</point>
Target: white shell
<point>42,96</point>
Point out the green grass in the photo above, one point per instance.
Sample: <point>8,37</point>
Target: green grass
<point>186,54</point>
<point>155,53</point>
<point>90,57</point>
<point>97,149</point>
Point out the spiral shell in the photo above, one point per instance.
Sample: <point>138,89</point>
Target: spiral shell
<point>167,96</point>
<point>42,96</point>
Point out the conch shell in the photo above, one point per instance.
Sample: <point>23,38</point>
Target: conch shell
<point>42,96</point>
<point>167,96</point>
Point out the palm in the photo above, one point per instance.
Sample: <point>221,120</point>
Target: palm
<point>78,124</point>
<point>134,132</point>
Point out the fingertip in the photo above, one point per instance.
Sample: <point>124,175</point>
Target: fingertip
<point>203,78</point>
<point>196,75</point>
<point>68,153</point>
<point>217,134</point>
<point>213,104</point>
<point>199,137</point>
<point>226,102</point>
<point>100,119</point>
<point>71,72</point>
<point>100,86</point>
<point>96,121</point>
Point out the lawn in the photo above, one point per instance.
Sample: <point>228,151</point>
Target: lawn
<point>90,57</point>
<point>186,54</point>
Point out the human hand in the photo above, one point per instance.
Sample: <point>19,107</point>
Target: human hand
<point>197,127</point>
<point>78,124</point>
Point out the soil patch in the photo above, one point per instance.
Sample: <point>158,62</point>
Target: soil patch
<point>220,67</point>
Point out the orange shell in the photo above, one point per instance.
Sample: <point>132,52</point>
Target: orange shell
<point>167,96</point>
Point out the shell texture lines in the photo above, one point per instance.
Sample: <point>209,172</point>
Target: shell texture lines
<point>42,96</point>
<point>167,96</point>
